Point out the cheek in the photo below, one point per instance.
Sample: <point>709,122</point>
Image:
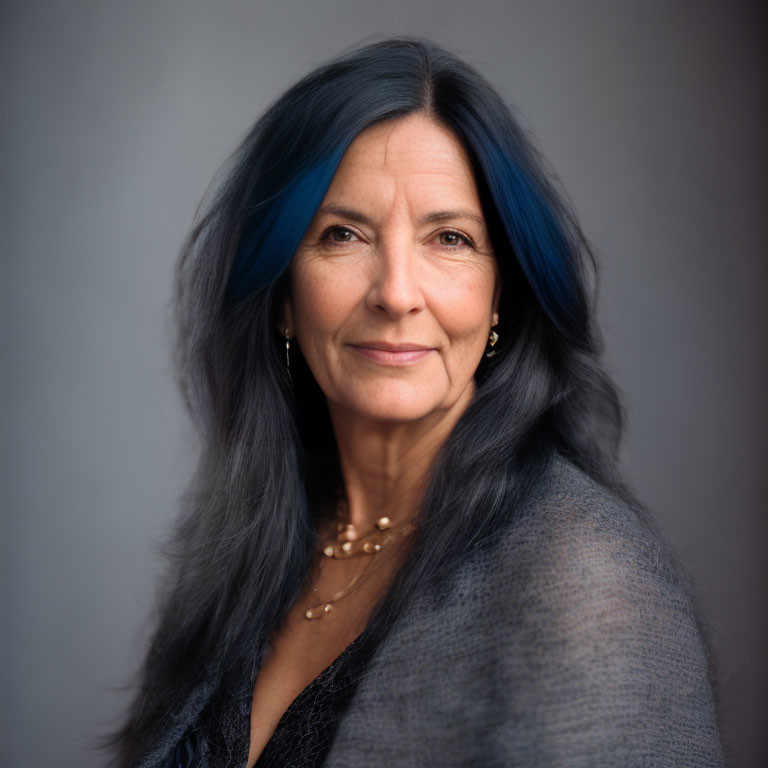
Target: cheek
<point>322,300</point>
<point>463,308</point>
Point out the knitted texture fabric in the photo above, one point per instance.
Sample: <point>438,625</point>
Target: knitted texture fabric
<point>569,640</point>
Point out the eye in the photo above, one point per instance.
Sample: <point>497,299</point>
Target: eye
<point>452,239</point>
<point>338,234</point>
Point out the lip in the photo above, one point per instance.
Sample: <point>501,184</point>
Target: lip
<point>385,353</point>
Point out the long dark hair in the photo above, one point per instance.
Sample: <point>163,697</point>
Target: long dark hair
<point>243,541</point>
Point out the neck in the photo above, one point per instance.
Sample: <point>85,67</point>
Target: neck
<point>386,466</point>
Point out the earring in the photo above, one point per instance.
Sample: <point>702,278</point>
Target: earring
<point>288,350</point>
<point>493,337</point>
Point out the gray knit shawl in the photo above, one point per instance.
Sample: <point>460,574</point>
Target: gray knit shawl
<point>571,641</point>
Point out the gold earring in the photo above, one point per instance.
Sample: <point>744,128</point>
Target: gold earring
<point>493,337</point>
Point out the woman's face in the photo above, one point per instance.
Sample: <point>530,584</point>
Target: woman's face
<point>394,285</point>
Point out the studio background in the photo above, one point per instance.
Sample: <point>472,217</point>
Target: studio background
<point>116,117</point>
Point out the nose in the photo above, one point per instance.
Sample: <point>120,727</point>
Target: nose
<point>396,287</point>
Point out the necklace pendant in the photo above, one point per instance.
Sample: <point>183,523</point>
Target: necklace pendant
<point>347,532</point>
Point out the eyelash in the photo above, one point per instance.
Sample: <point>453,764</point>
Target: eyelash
<point>339,227</point>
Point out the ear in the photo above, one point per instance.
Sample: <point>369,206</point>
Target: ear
<point>285,321</point>
<point>496,299</point>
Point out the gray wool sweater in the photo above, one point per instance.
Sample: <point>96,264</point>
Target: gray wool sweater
<point>570,640</point>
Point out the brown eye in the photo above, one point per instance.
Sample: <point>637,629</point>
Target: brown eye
<point>451,238</point>
<point>340,234</point>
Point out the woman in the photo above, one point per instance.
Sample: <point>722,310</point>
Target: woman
<point>408,543</point>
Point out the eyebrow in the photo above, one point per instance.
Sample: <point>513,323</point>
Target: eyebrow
<point>361,218</point>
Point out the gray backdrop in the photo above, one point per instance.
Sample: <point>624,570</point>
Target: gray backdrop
<point>116,116</point>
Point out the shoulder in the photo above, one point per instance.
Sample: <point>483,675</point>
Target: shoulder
<point>581,559</point>
<point>571,528</point>
<point>589,596</point>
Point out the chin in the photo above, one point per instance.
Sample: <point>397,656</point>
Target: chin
<point>389,406</point>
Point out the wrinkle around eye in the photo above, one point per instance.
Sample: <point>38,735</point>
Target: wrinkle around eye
<point>464,240</point>
<point>325,237</point>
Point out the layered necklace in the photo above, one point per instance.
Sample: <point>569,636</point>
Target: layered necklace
<point>341,539</point>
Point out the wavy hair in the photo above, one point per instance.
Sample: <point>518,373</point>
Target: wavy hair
<point>243,540</point>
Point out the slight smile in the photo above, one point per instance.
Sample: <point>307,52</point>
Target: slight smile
<point>392,354</point>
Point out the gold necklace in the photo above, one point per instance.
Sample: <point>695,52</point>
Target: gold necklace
<point>348,543</point>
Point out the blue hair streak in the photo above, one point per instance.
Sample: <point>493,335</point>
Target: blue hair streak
<point>269,243</point>
<point>537,236</point>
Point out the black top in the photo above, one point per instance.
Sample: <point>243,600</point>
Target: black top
<point>302,738</point>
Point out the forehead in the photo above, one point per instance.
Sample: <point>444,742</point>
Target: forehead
<point>413,153</point>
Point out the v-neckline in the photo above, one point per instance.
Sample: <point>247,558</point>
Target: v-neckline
<point>296,702</point>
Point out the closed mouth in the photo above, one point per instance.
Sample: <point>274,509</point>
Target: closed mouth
<point>384,353</point>
<point>387,347</point>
